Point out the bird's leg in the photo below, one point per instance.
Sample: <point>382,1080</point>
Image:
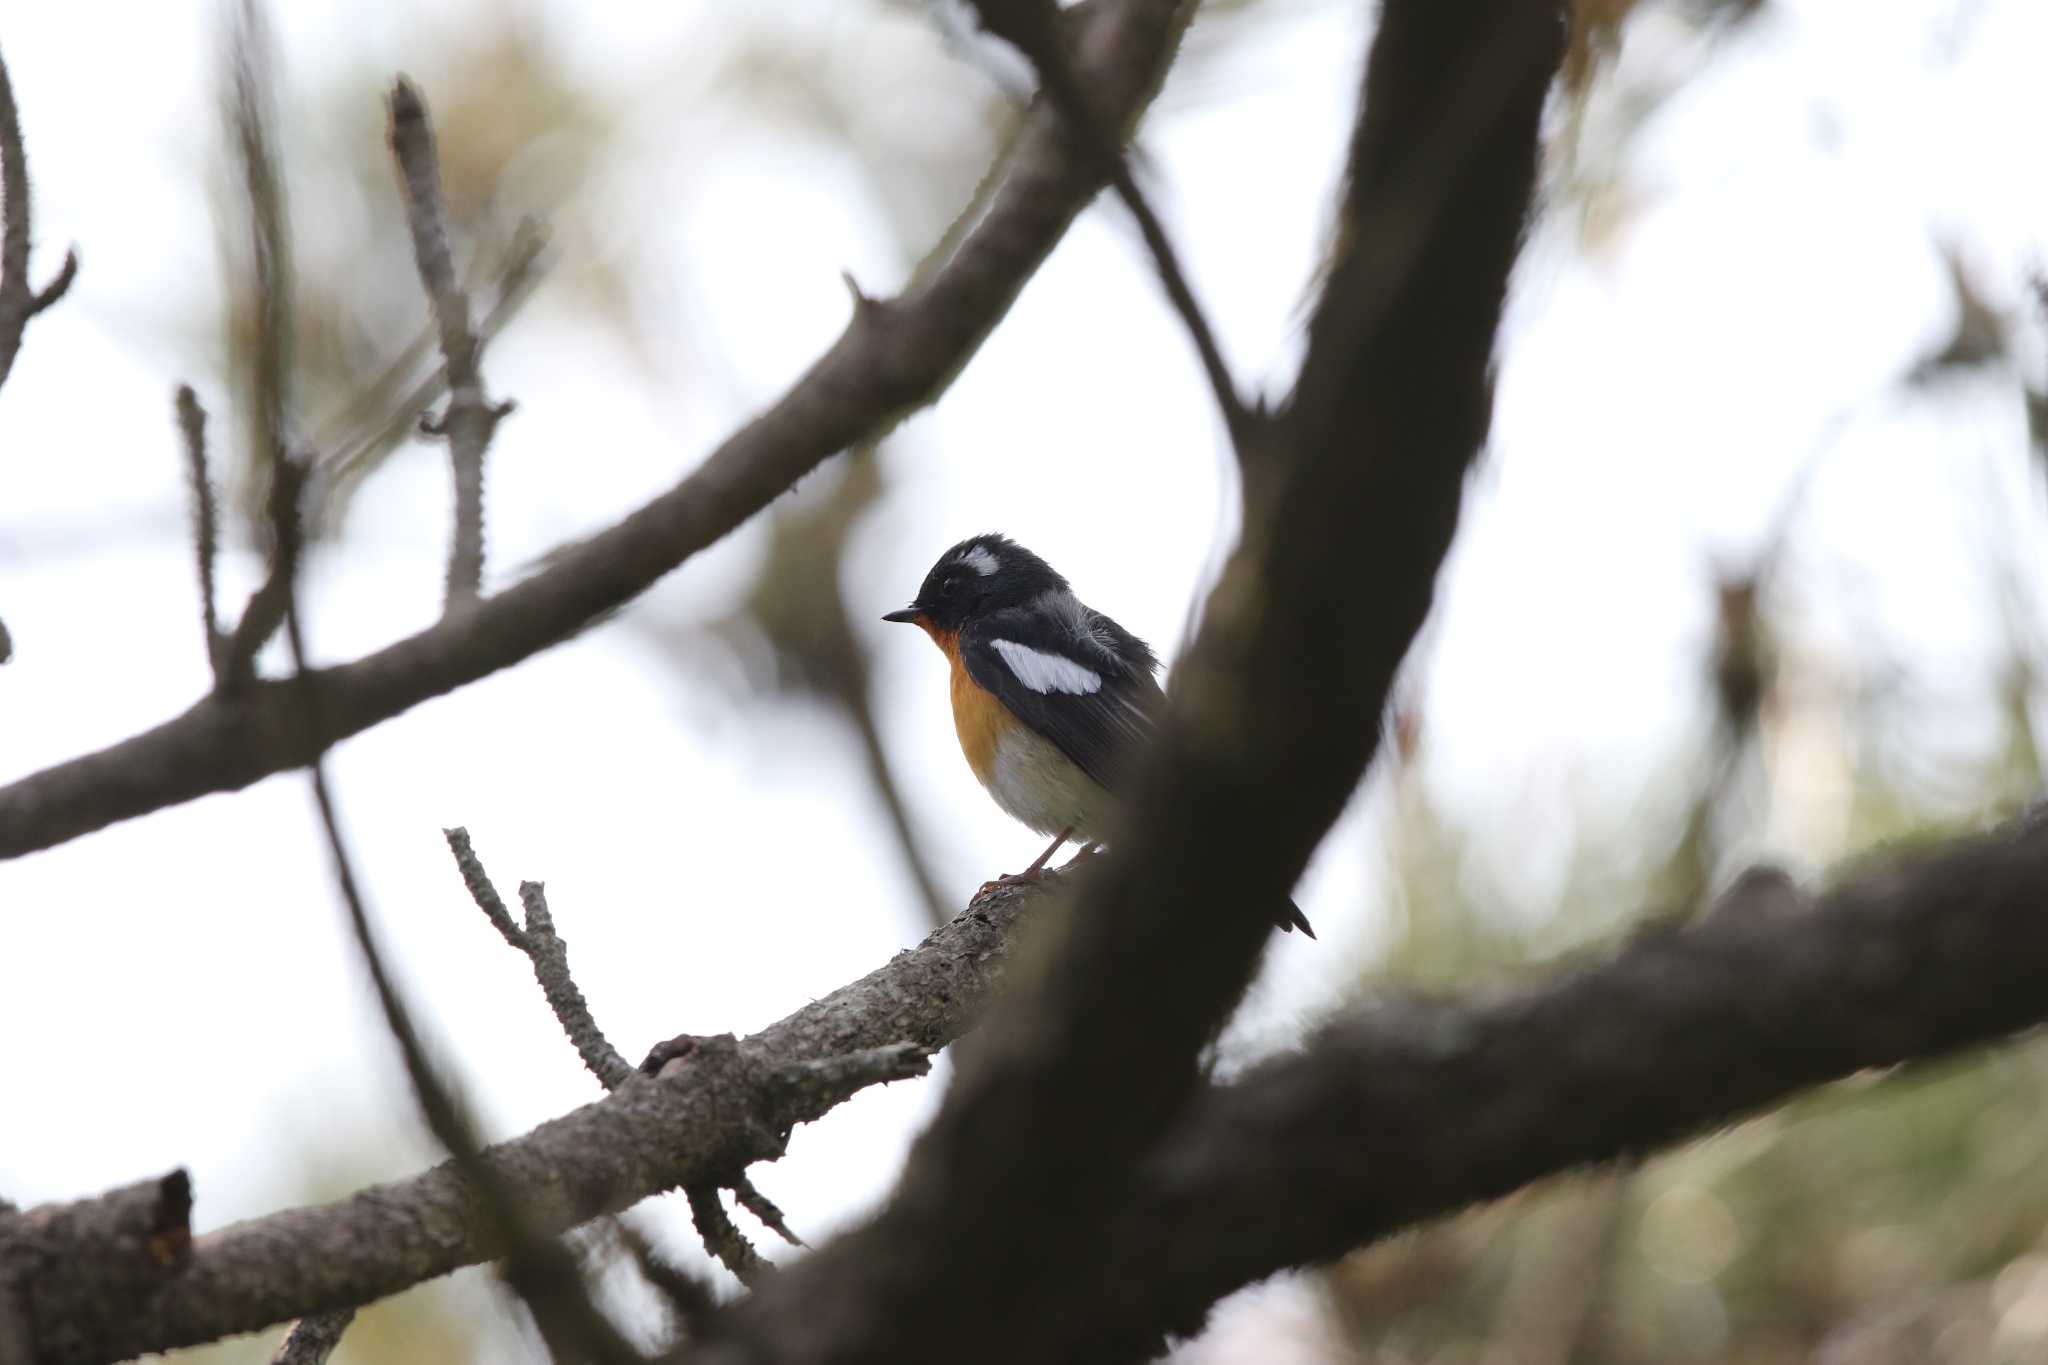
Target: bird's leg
<point>1033,873</point>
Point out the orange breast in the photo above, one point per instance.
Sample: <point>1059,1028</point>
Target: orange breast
<point>978,717</point>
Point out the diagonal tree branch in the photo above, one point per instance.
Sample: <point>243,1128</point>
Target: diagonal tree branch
<point>19,301</point>
<point>1407,1108</point>
<point>895,356</point>
<point>1281,691</point>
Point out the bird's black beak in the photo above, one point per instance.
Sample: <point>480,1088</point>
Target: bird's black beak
<point>907,614</point>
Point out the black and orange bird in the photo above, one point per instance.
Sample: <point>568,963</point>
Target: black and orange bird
<point>1051,699</point>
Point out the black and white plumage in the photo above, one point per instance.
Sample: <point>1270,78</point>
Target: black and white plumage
<point>1051,699</point>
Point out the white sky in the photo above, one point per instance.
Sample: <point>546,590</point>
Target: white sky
<point>181,989</point>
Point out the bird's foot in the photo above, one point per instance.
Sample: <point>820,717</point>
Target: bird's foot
<point>1029,877</point>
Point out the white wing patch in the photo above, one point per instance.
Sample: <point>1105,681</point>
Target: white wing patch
<point>1043,672</point>
<point>980,560</point>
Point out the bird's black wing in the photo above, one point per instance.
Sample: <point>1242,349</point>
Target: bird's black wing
<point>1071,674</point>
<point>1082,681</point>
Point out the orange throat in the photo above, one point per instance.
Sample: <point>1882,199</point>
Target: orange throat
<point>978,718</point>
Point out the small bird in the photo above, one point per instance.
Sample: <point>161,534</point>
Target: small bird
<point>1051,699</point>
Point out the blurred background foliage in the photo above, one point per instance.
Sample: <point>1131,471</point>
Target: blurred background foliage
<point>1902,1219</point>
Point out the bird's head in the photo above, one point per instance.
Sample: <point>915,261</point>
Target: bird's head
<point>979,575</point>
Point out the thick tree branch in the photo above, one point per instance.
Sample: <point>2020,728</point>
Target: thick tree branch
<point>1282,691</point>
<point>894,356</point>
<point>708,1117</point>
<point>19,301</point>
<point>1411,1107</point>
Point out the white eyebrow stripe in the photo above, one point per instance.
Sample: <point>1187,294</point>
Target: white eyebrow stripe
<point>980,560</point>
<point>1043,672</point>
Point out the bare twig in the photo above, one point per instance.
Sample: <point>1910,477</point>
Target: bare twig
<point>313,1338</point>
<point>18,300</point>
<point>205,519</point>
<point>1037,29</point>
<point>549,954</point>
<point>763,1208</point>
<point>722,1238</point>
<point>471,417</point>
<point>544,948</point>
<point>893,357</point>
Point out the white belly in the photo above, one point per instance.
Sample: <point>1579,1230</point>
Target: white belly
<point>1039,785</point>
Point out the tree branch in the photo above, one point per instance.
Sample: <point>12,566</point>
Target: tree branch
<point>709,1115</point>
<point>1408,1107</point>
<point>19,301</point>
<point>542,946</point>
<point>1281,691</point>
<point>894,356</point>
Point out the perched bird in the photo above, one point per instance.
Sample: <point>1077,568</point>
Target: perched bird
<point>1051,699</point>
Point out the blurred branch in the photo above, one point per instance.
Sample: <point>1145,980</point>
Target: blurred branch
<point>895,356</point>
<point>250,66</point>
<point>471,418</point>
<point>1079,1074</point>
<point>18,300</point>
<point>313,1339</point>
<point>387,411</point>
<point>1037,29</point>
<point>715,1110</point>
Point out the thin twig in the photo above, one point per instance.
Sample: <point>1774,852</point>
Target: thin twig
<point>544,948</point>
<point>549,954</point>
<point>471,416</point>
<point>18,301</point>
<point>763,1208</point>
<point>722,1237</point>
<point>1038,30</point>
<point>313,1339</point>
<point>205,519</point>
